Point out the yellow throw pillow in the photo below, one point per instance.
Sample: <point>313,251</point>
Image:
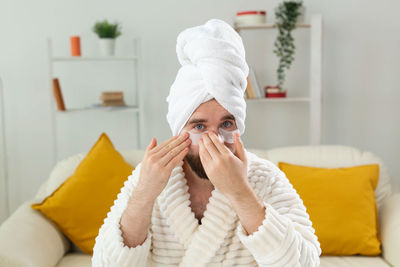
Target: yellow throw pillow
<point>341,204</point>
<point>80,205</point>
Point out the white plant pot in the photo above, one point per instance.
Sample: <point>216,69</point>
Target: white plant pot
<point>107,46</point>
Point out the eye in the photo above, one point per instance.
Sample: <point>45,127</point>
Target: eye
<point>224,123</point>
<point>198,125</point>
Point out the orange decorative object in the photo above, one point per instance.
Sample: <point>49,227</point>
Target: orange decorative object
<point>75,46</point>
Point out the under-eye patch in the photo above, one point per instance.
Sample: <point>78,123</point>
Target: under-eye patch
<point>224,135</point>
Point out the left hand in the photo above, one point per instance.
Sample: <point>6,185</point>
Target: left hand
<point>226,171</point>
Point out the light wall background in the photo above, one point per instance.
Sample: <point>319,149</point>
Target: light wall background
<point>361,63</point>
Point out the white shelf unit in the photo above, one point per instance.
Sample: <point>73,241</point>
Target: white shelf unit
<point>315,98</point>
<point>136,108</point>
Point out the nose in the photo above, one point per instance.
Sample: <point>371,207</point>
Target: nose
<point>213,129</point>
<point>216,132</point>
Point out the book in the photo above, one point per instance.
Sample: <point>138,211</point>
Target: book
<point>256,88</point>
<point>111,97</point>
<point>58,95</point>
<point>249,89</point>
<point>114,103</point>
<point>112,93</point>
<point>245,95</point>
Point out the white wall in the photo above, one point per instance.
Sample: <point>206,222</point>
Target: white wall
<point>361,62</point>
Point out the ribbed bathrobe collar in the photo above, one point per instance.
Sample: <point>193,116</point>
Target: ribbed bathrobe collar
<point>201,242</point>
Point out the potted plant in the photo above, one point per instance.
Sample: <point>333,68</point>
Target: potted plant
<point>286,15</point>
<point>107,33</point>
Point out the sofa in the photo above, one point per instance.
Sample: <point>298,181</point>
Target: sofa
<point>27,238</point>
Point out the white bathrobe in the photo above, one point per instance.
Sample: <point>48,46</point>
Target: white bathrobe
<point>175,238</point>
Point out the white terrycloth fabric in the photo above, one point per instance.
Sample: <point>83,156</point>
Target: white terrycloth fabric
<point>213,63</point>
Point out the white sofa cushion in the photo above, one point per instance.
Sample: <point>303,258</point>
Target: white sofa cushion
<point>27,232</point>
<point>390,228</point>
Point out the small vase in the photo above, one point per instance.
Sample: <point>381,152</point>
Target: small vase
<point>75,43</point>
<point>107,46</point>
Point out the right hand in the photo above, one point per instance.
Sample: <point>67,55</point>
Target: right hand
<point>159,161</point>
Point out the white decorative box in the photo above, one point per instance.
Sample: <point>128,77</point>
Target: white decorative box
<point>250,17</point>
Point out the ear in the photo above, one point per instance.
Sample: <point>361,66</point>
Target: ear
<point>240,152</point>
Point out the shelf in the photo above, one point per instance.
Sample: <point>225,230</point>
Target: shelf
<point>102,108</point>
<point>279,99</point>
<point>94,58</point>
<point>267,26</point>
<point>313,98</point>
<point>95,108</point>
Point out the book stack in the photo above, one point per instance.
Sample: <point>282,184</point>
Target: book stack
<point>112,98</point>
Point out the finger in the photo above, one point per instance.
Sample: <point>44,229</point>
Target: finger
<point>152,144</point>
<point>168,143</point>
<point>157,148</point>
<point>240,152</point>
<point>174,143</point>
<point>174,161</point>
<point>209,144</point>
<point>204,156</point>
<point>173,152</point>
<point>218,144</point>
<point>203,151</point>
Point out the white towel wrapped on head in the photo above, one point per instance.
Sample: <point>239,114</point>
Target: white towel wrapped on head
<point>213,63</point>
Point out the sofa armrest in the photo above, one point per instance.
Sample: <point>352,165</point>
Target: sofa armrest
<point>390,229</point>
<point>27,238</point>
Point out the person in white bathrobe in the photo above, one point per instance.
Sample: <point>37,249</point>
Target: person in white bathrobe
<point>206,202</point>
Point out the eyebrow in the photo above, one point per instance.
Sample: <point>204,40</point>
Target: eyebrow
<point>226,117</point>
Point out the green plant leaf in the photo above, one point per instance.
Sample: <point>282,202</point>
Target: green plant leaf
<point>286,14</point>
<point>104,29</point>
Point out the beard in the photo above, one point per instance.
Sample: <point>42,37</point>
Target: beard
<point>196,165</point>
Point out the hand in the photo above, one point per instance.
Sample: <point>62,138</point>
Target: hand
<point>159,161</point>
<point>226,171</point>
